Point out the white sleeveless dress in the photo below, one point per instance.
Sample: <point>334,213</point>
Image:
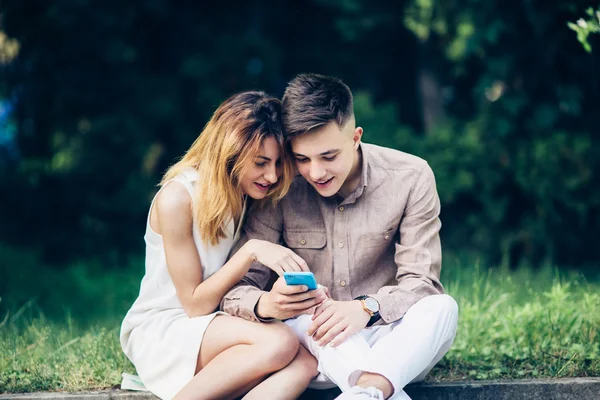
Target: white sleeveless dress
<point>157,336</point>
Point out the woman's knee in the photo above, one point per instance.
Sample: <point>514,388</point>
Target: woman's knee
<point>306,364</point>
<point>280,345</point>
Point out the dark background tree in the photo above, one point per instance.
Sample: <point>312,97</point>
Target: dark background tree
<point>99,98</point>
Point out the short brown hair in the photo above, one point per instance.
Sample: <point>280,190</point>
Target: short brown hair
<point>312,100</point>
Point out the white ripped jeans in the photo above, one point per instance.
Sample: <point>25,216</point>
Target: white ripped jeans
<point>403,351</point>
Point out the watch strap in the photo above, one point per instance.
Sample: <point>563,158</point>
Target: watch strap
<point>374,319</point>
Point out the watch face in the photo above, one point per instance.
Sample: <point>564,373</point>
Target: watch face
<point>372,304</point>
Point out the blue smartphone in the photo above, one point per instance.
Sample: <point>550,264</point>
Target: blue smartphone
<point>301,278</point>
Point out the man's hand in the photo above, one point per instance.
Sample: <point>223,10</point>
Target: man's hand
<point>286,301</point>
<point>335,321</point>
<point>325,290</point>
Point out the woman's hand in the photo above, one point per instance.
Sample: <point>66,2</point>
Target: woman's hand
<point>278,258</point>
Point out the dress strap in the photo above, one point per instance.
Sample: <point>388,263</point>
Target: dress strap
<point>187,178</point>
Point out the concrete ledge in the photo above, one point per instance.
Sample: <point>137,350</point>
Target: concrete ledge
<point>116,394</point>
<point>535,389</point>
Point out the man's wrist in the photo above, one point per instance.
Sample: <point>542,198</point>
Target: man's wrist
<point>371,307</point>
<point>362,311</point>
<point>261,310</point>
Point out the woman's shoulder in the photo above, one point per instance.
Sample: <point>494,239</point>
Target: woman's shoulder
<point>187,178</point>
<point>189,174</point>
<point>174,202</point>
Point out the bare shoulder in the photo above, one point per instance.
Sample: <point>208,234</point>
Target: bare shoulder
<point>174,208</point>
<point>174,197</point>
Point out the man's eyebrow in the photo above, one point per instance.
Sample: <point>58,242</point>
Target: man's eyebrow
<point>330,151</point>
<point>325,153</point>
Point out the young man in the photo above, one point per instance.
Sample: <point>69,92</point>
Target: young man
<point>366,221</point>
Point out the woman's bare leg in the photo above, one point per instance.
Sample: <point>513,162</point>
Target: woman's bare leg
<point>235,353</point>
<point>288,383</point>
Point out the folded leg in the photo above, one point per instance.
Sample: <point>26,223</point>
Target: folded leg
<point>335,363</point>
<point>413,345</point>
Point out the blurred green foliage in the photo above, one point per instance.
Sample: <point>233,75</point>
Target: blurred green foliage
<point>586,27</point>
<point>497,96</point>
<point>86,291</point>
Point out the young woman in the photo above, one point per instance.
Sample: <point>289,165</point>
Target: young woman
<point>179,345</point>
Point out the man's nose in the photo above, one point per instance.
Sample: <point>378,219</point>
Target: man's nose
<point>317,172</point>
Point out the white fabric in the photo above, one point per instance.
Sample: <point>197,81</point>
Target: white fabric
<point>403,351</point>
<point>157,336</point>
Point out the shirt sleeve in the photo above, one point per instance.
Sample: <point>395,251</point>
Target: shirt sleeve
<point>264,224</point>
<point>418,254</point>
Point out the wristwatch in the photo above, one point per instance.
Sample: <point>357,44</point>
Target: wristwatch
<point>371,306</point>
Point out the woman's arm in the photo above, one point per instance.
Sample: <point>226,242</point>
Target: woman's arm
<point>174,222</point>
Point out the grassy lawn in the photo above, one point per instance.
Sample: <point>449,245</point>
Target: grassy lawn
<point>513,324</point>
<point>523,325</point>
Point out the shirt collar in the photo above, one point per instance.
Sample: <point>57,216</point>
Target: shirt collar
<point>363,177</point>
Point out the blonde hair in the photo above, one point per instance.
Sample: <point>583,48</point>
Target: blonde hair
<point>223,153</point>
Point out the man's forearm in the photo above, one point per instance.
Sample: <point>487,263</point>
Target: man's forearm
<point>241,302</point>
<point>418,254</point>
<point>262,311</point>
<point>394,301</point>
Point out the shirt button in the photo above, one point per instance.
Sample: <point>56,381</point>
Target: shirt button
<point>340,245</point>
<point>302,241</point>
<point>343,283</point>
<point>341,208</point>
<point>386,237</point>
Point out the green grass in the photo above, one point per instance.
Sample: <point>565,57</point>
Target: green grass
<point>513,324</point>
<point>39,355</point>
<point>523,325</point>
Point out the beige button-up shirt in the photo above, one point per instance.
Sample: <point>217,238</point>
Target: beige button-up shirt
<point>382,240</point>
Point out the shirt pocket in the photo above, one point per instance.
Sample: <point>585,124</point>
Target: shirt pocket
<point>305,239</point>
<point>380,239</point>
<point>311,246</point>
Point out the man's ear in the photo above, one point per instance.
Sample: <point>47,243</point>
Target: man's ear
<point>357,135</point>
